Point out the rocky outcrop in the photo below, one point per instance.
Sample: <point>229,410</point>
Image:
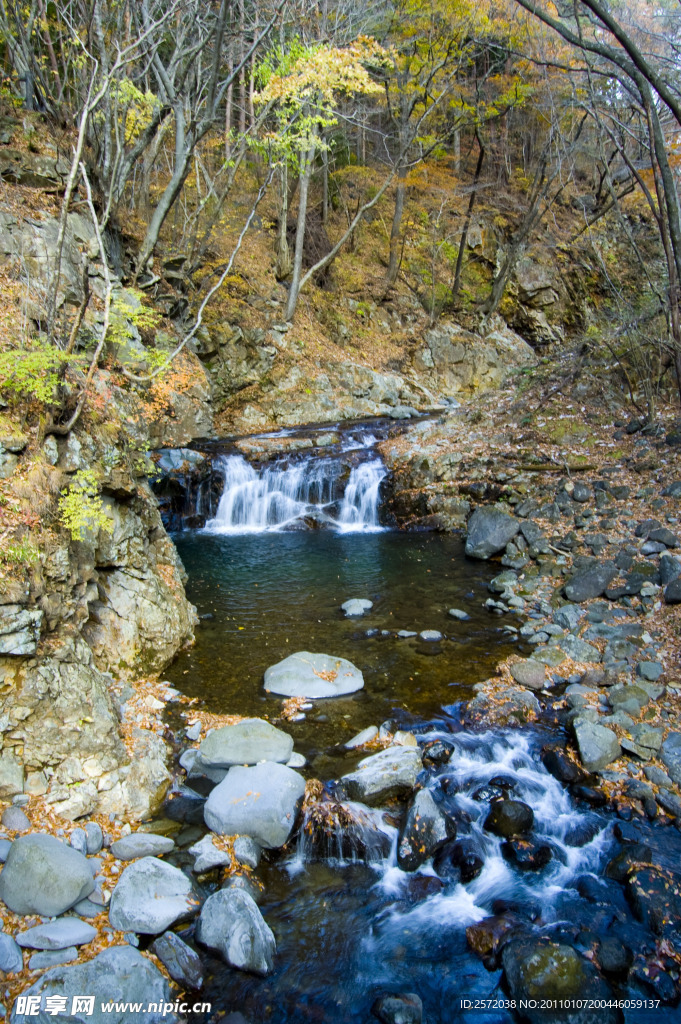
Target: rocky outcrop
<point>454,362</point>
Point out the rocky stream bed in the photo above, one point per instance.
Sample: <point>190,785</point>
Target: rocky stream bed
<point>513,840</point>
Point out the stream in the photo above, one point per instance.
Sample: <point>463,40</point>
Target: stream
<point>290,539</point>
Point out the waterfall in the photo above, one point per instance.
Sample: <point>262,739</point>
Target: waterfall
<point>308,493</point>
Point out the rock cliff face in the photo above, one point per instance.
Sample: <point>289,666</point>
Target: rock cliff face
<point>87,615</point>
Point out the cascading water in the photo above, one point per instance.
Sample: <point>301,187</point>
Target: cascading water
<point>288,495</point>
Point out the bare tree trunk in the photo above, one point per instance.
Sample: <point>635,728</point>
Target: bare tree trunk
<point>283,265</point>
<point>306,166</point>
<point>456,287</point>
<point>396,231</point>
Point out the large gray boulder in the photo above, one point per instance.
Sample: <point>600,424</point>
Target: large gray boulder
<point>245,742</point>
<point>150,897</point>
<point>231,923</point>
<point>597,744</point>
<point>43,876</point>
<point>489,531</point>
<point>119,975</point>
<point>261,802</point>
<point>391,772</point>
<point>313,675</point>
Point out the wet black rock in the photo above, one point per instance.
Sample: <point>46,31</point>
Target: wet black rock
<point>526,854</point>
<point>186,807</point>
<point>538,970</point>
<point>437,752</point>
<point>613,956</point>
<point>403,1008</point>
<point>488,937</point>
<point>558,764</point>
<point>628,860</point>
<point>461,861</point>
<point>589,792</point>
<point>426,828</point>
<point>487,793</point>
<point>508,818</point>
<point>651,977</point>
<point>655,899</point>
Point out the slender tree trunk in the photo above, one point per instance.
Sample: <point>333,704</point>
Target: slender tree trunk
<point>396,231</point>
<point>307,163</point>
<point>283,264</point>
<point>242,73</point>
<point>467,222</point>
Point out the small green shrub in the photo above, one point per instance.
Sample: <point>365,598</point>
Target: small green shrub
<point>80,507</point>
<point>21,552</point>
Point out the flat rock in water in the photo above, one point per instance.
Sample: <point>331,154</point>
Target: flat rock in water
<point>43,876</point>
<point>356,606</point>
<point>489,531</point>
<point>261,802</point>
<point>529,673</point>
<point>231,923</point>
<point>313,675</point>
<point>245,742</point>
<point>67,931</point>
<point>430,635</point>
<point>180,960</point>
<point>150,897</point>
<point>597,744</point>
<point>141,844</point>
<point>118,975</point>
<point>457,613</point>
<point>590,582</point>
<point>391,772</point>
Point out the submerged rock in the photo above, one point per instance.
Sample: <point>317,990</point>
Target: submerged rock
<point>544,972</point>
<point>356,606</point>
<point>261,802</point>
<point>231,923</point>
<point>313,675</point>
<point>43,876</point>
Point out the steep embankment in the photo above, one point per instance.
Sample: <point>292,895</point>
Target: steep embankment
<point>82,613</point>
